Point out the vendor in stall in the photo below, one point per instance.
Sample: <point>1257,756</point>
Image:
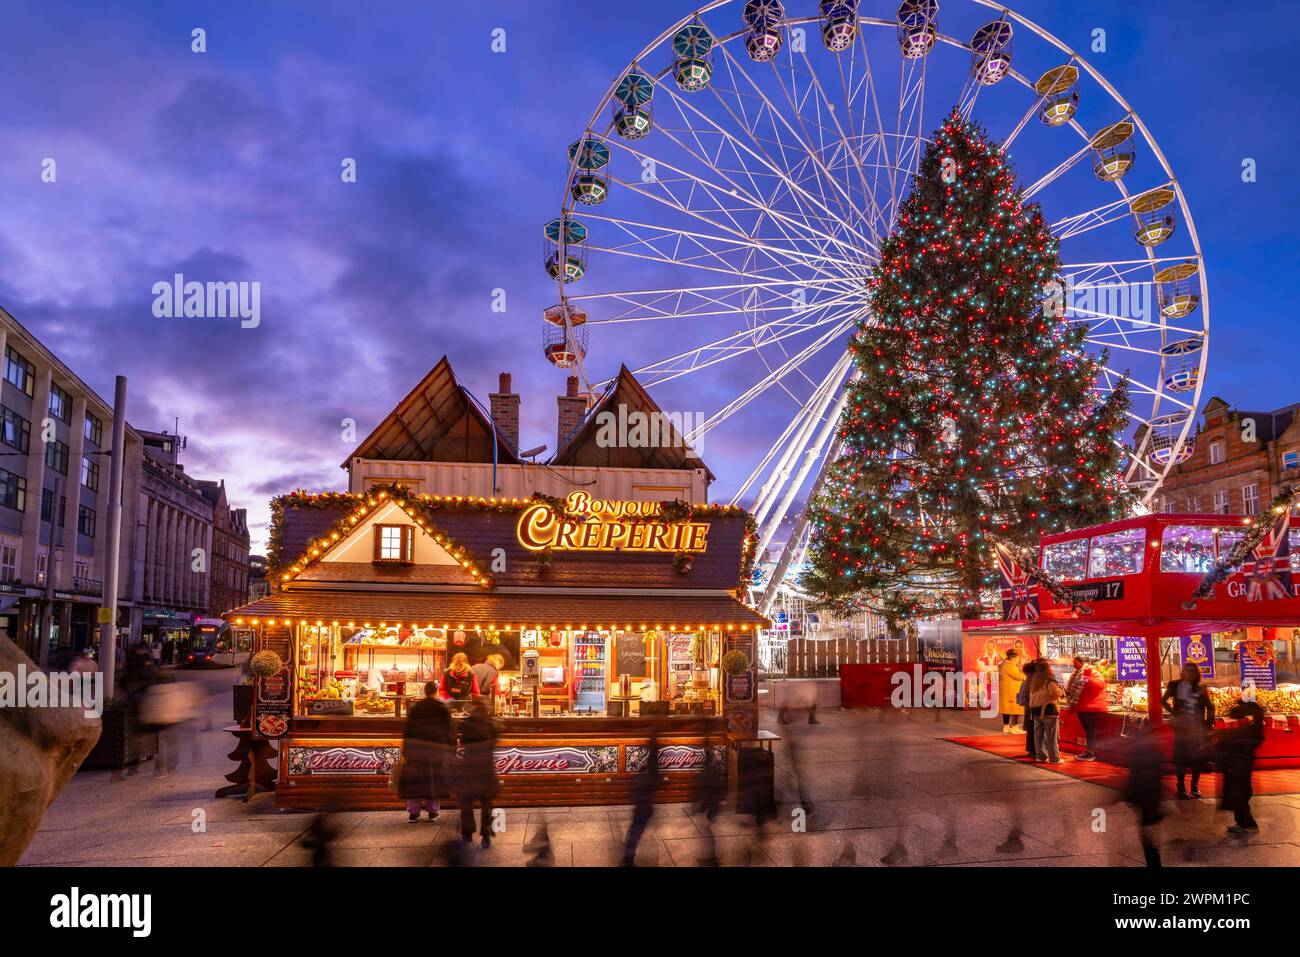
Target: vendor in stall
<point>458,681</point>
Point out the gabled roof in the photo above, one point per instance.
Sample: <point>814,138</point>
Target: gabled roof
<point>670,452</point>
<point>1269,426</point>
<point>438,421</point>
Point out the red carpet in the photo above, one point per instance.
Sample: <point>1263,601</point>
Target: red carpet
<point>1012,747</point>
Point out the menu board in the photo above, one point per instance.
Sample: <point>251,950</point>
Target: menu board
<point>629,654</point>
<point>273,695</point>
<point>1258,666</point>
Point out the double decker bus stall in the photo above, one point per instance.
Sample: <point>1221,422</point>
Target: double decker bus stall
<point>1133,581</point>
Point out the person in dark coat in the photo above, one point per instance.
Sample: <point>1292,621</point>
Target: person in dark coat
<point>1028,671</point>
<point>477,772</point>
<point>1237,747</point>
<point>1144,759</point>
<point>644,789</point>
<point>1193,714</point>
<point>710,791</point>
<point>458,681</point>
<point>426,747</point>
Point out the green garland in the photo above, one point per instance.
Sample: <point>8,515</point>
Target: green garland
<point>1284,502</point>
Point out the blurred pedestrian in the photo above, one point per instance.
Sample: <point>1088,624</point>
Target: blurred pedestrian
<point>1010,678</point>
<point>644,788</point>
<point>426,748</point>
<point>1237,747</point>
<point>1193,714</point>
<point>1045,695</point>
<point>321,836</point>
<point>1144,759</point>
<point>540,847</point>
<point>709,795</point>
<point>476,773</point>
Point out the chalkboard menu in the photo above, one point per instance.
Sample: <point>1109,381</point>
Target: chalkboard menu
<point>629,655</point>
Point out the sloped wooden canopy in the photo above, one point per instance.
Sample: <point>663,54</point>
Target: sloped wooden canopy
<point>438,421</point>
<point>670,452</point>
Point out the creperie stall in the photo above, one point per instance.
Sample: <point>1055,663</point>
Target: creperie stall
<point>607,616</point>
<point>1132,584</point>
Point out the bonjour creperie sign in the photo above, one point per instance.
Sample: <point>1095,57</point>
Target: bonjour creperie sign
<point>594,525</point>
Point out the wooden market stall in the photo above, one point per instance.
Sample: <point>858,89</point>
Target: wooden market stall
<point>1132,584</point>
<point>609,618</point>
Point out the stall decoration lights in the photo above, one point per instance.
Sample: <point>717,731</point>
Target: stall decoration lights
<point>422,504</point>
<point>1256,530</point>
<point>972,415</point>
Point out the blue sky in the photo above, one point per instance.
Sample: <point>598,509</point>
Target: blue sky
<point>226,165</point>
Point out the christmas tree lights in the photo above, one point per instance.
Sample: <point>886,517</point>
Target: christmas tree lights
<point>972,416</point>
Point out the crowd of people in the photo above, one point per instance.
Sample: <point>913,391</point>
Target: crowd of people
<point>1031,693</point>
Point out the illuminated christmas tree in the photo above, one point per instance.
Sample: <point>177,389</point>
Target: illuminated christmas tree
<point>972,416</point>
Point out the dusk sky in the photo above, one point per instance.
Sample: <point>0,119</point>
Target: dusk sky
<point>226,165</point>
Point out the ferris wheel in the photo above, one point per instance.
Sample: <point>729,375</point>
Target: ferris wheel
<point>726,202</point>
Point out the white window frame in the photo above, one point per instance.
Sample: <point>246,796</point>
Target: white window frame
<point>1250,498</point>
<point>1221,502</point>
<point>1217,452</point>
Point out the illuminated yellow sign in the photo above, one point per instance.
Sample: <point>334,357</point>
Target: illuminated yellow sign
<point>594,525</point>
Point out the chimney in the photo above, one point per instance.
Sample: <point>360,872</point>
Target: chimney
<point>505,411</point>
<point>572,410</point>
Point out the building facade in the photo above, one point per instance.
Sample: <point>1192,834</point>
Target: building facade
<point>230,546</point>
<point>55,445</point>
<point>1240,461</point>
<point>55,462</point>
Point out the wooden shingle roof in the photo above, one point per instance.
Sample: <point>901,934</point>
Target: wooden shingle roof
<point>438,421</point>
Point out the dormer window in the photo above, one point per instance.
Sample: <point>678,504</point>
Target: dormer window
<point>394,543</point>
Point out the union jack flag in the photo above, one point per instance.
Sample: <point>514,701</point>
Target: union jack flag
<point>1268,569</point>
<point>1019,588</point>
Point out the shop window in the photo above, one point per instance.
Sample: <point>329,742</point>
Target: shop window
<point>1068,560</point>
<point>56,456</point>
<point>8,563</point>
<point>1119,553</point>
<point>13,490</point>
<point>1187,548</point>
<point>86,521</point>
<point>16,430</point>
<point>90,473</point>
<point>1250,499</point>
<point>394,543</point>
<point>47,505</point>
<point>1216,452</point>
<point>19,373</point>
<point>60,404</point>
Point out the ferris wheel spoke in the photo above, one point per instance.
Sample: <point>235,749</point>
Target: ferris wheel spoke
<point>772,378</point>
<point>686,305</point>
<point>806,417</point>
<point>1020,126</point>
<point>1077,224</point>
<point>715,194</point>
<point>1060,170</point>
<point>760,155</point>
<point>648,234</point>
<point>740,343</point>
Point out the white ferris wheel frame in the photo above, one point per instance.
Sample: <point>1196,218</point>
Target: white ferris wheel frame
<point>809,437</point>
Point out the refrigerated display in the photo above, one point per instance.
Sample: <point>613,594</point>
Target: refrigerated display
<point>589,671</point>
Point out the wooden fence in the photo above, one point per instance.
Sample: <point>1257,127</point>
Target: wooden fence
<point>822,657</point>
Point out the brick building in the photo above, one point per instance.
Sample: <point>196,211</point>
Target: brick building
<point>1240,461</point>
